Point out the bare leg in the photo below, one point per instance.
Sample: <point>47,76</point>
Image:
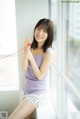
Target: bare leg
<point>30,116</point>
<point>23,110</point>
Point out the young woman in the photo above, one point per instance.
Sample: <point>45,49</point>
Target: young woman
<point>37,59</point>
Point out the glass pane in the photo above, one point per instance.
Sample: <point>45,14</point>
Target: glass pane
<point>73,105</point>
<point>8,45</point>
<point>73,57</point>
<point>73,69</point>
<point>9,72</point>
<point>8,40</point>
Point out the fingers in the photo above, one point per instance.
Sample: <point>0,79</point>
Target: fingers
<point>26,51</point>
<point>27,43</point>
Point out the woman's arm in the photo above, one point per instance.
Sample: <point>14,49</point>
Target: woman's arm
<point>48,59</point>
<point>24,63</point>
<point>25,55</point>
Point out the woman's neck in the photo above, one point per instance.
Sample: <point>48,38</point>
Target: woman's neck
<point>37,51</point>
<point>40,45</point>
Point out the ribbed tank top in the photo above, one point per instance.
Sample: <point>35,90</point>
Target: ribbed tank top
<point>32,84</point>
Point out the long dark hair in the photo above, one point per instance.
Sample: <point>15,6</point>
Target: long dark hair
<point>46,24</point>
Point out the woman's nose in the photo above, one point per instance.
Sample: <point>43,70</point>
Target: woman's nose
<point>40,32</point>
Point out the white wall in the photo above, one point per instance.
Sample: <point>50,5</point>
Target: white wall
<point>8,100</point>
<point>28,12</point>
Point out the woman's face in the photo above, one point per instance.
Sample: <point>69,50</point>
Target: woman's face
<point>40,34</point>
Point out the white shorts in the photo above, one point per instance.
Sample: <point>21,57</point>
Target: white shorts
<point>37,99</point>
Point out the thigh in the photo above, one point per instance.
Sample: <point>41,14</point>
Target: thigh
<point>30,116</point>
<point>24,109</point>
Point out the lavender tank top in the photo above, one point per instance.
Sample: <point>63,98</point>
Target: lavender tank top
<point>32,84</point>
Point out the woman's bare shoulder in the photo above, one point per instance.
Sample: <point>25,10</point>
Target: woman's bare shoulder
<point>50,50</point>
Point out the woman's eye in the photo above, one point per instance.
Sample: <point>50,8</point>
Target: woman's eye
<point>44,31</point>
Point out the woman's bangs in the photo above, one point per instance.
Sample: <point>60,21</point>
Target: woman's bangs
<point>43,26</point>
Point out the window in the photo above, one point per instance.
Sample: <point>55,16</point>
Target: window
<point>53,70</point>
<point>8,45</point>
<point>68,45</point>
<point>73,49</point>
<point>73,54</point>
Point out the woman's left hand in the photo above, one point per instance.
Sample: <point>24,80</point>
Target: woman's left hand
<point>27,48</point>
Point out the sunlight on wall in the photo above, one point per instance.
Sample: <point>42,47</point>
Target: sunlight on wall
<point>8,45</point>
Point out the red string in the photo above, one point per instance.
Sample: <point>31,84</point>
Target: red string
<point>10,54</point>
<point>14,52</point>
